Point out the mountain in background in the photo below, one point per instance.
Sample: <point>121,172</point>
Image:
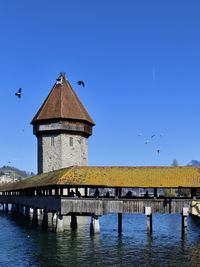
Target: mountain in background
<point>194,162</point>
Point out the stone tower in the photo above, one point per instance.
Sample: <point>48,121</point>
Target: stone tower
<point>62,127</point>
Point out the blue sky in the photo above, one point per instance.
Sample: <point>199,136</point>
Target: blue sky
<point>140,61</point>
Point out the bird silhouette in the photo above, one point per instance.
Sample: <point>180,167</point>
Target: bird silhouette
<point>81,83</point>
<point>153,136</point>
<point>158,151</point>
<point>19,93</point>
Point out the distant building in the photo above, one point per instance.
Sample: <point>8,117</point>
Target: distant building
<point>62,127</point>
<point>6,178</point>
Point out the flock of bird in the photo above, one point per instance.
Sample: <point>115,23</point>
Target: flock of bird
<point>147,141</point>
<point>81,83</point>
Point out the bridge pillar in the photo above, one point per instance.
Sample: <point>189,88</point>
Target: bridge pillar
<point>185,213</point>
<point>94,225</point>
<point>119,223</point>
<point>21,209</point>
<point>27,212</point>
<point>6,207</point>
<point>45,219</point>
<point>73,223</point>
<point>13,208</point>
<point>35,216</point>
<point>148,213</point>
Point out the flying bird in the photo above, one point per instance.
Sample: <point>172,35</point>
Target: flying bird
<point>153,136</point>
<point>19,93</point>
<point>81,83</point>
<point>158,151</point>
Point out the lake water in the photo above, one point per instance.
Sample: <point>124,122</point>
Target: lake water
<point>21,245</point>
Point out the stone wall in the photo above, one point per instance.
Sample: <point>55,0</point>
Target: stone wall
<point>57,151</point>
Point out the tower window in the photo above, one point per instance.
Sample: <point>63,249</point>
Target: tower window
<point>52,140</point>
<point>71,141</point>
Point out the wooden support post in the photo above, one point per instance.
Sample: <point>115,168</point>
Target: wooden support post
<point>73,223</point>
<point>76,190</point>
<point>116,192</point>
<point>119,192</point>
<point>27,212</point>
<point>86,191</point>
<point>148,213</point>
<point>61,191</point>
<point>35,216</point>
<point>13,208</point>
<point>56,191</point>
<point>21,209</point>
<point>155,193</point>
<point>119,223</point>
<point>184,215</point>
<point>6,207</point>
<point>17,208</point>
<point>45,219</point>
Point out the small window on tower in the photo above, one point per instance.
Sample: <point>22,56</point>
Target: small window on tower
<point>52,140</point>
<point>71,141</point>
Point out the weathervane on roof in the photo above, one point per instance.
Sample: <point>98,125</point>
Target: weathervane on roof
<point>59,80</point>
<point>62,74</point>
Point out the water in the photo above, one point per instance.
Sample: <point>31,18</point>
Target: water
<point>22,246</point>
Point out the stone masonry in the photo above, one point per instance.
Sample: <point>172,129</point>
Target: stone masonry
<point>57,151</point>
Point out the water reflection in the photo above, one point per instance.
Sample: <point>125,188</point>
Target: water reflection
<point>24,246</point>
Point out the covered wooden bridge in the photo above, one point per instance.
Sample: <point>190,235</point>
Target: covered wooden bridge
<point>52,192</point>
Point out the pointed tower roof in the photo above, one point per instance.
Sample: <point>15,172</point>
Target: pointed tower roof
<point>62,103</point>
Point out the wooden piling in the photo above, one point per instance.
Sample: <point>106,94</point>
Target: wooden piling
<point>45,220</point>
<point>94,225</point>
<point>148,213</point>
<point>73,222</point>
<point>119,223</point>
<point>184,215</point>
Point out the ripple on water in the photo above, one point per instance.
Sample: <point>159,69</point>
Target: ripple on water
<point>23,246</point>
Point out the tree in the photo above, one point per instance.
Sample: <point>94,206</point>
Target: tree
<point>174,163</point>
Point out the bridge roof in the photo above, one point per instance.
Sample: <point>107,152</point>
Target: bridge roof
<point>145,177</point>
<point>62,103</point>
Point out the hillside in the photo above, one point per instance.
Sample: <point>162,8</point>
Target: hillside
<point>13,173</point>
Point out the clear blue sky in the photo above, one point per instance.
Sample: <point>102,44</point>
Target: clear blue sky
<point>140,61</point>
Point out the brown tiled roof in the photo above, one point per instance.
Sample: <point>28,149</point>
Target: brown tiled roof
<point>62,103</point>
